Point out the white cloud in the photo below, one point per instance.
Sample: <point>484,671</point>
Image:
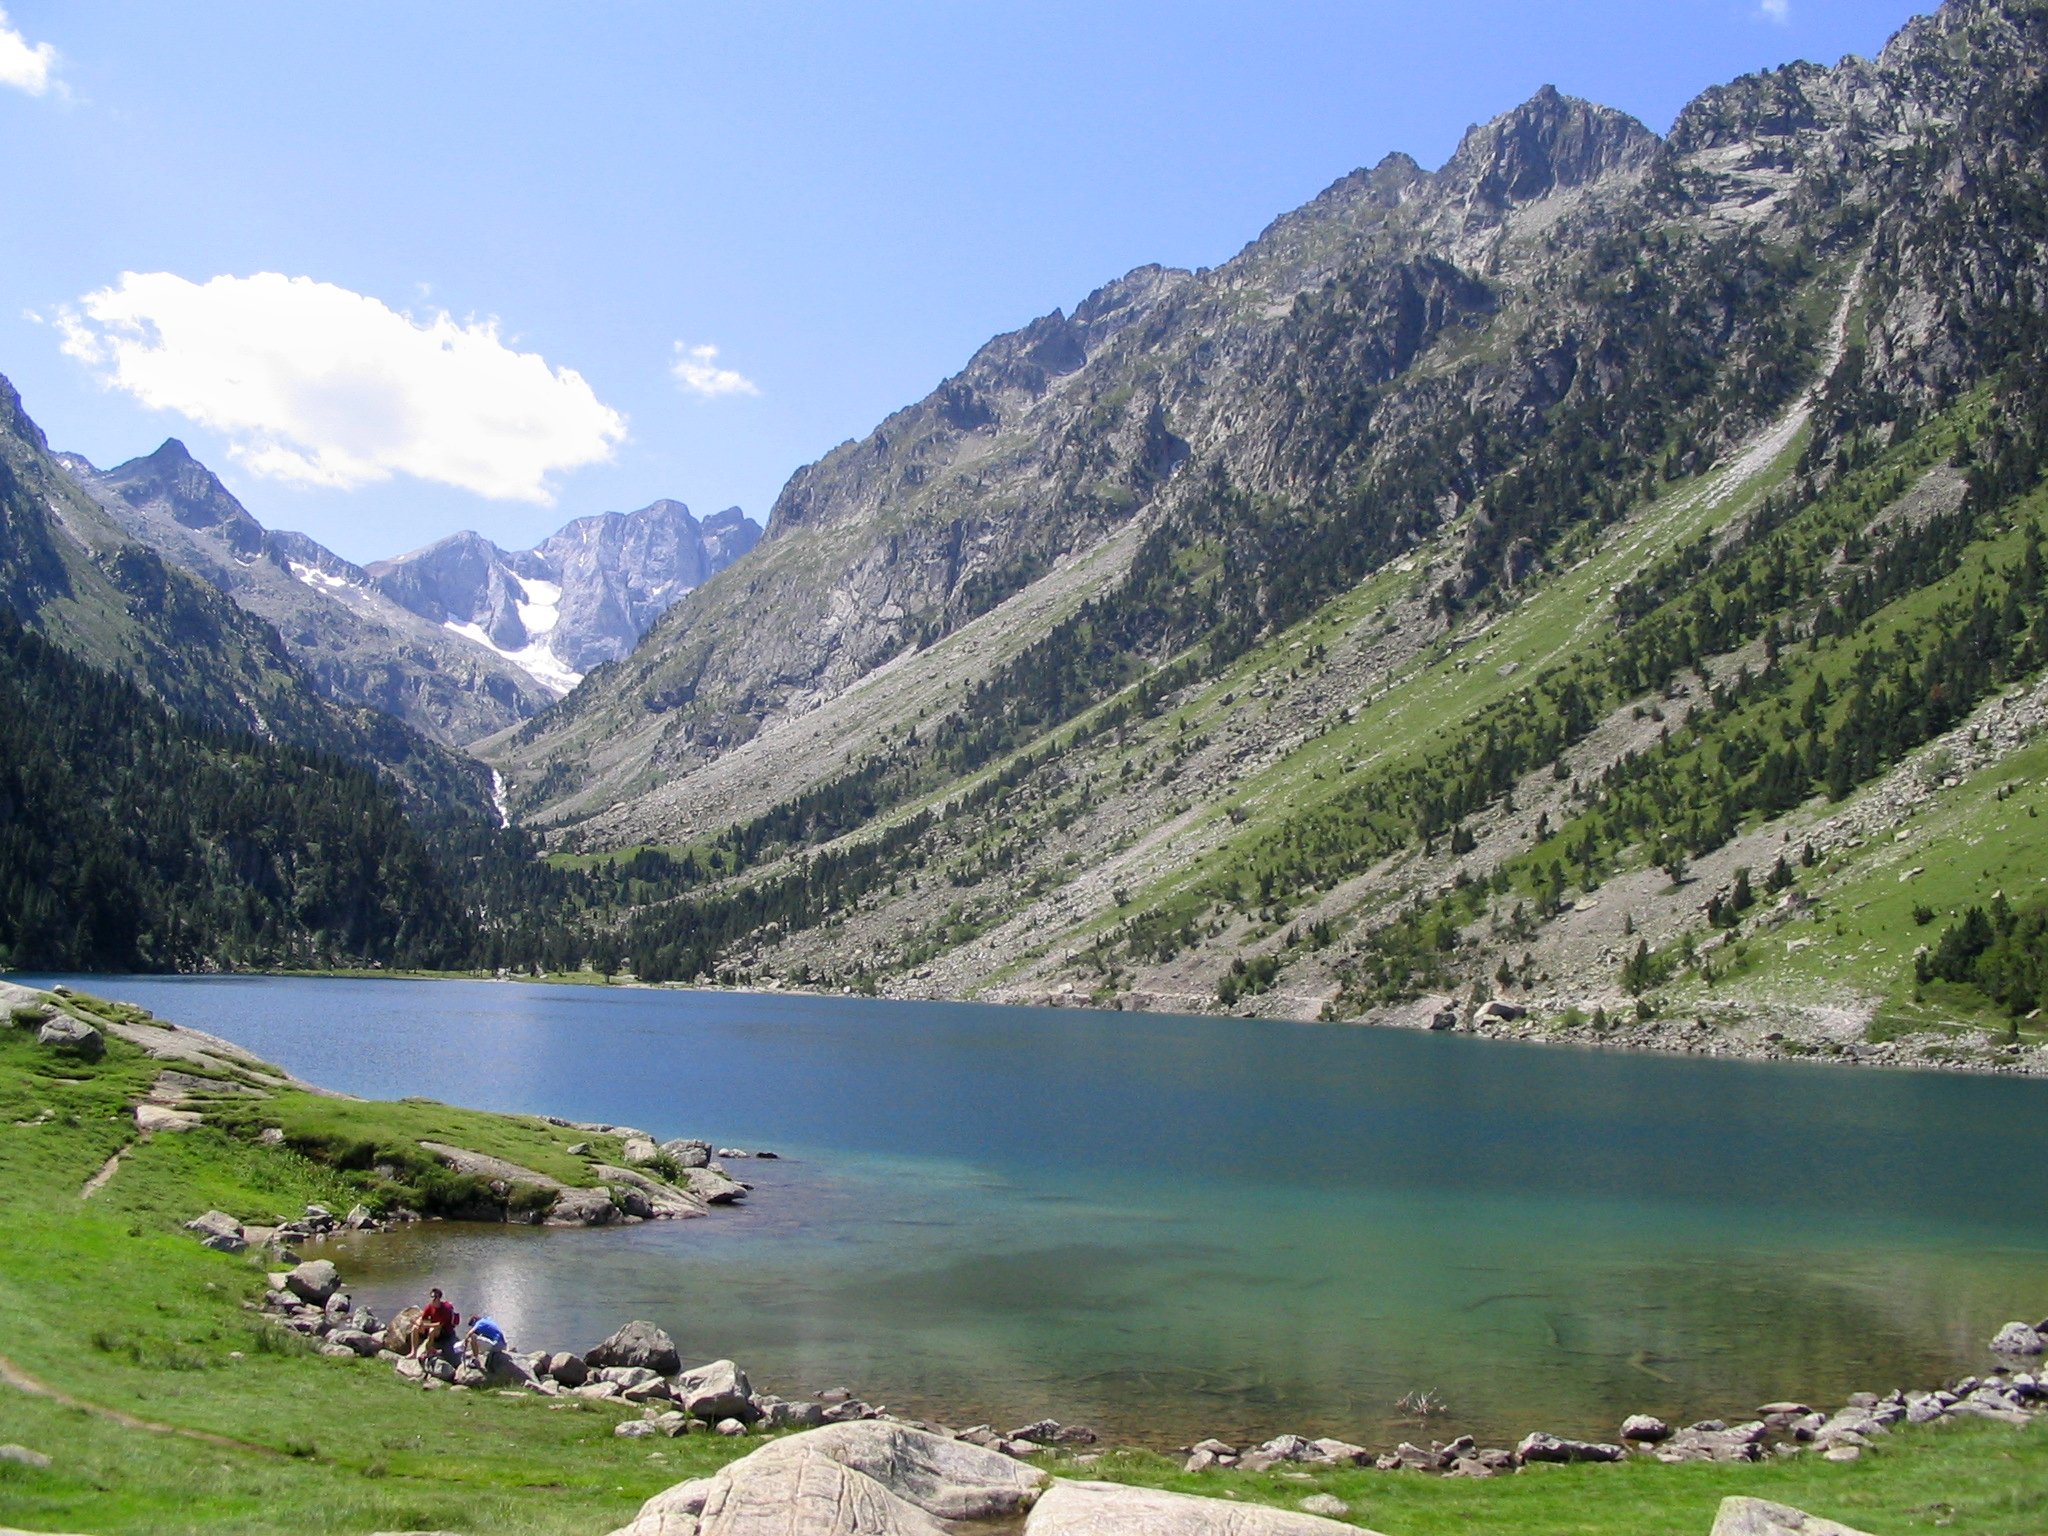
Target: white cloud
<point>24,65</point>
<point>1779,11</point>
<point>314,384</point>
<point>697,370</point>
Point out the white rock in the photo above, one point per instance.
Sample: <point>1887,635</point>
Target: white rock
<point>1760,1517</point>
<point>1114,1509</point>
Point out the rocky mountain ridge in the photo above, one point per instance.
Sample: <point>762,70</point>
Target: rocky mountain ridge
<point>1253,638</point>
<point>581,597</point>
<point>360,646</point>
<point>459,640</point>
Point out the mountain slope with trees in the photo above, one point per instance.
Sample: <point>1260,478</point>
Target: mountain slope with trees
<point>69,573</point>
<point>1336,632</point>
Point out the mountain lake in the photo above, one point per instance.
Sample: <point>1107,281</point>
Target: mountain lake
<point>1176,1227</point>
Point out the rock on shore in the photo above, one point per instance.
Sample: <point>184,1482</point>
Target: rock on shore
<point>882,1479</point>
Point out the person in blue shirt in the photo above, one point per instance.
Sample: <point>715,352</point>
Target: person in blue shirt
<point>483,1339</point>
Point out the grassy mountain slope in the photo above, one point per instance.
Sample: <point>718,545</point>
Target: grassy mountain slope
<point>1470,641</point>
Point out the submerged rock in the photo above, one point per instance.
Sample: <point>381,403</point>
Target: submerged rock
<point>2019,1339</point>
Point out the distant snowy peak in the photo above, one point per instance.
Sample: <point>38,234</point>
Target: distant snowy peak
<point>582,597</point>
<point>360,646</point>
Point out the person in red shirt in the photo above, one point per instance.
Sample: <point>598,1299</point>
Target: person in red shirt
<point>435,1327</point>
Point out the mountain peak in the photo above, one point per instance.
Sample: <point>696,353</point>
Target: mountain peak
<point>1549,143</point>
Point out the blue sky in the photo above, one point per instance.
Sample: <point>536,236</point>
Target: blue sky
<point>404,269</point>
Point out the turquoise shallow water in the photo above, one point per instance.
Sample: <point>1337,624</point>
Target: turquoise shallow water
<point>1174,1227</point>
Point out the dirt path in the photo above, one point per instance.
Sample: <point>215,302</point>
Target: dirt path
<point>15,1377</point>
<point>99,1180</point>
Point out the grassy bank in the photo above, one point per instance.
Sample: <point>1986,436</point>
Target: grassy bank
<point>105,1300</point>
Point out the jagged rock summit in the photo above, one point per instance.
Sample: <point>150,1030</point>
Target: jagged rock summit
<point>460,639</point>
<point>580,598</point>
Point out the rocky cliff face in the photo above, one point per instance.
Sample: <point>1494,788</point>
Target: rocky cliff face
<point>1402,341</point>
<point>360,647</point>
<point>581,598</point>
<point>1057,435</point>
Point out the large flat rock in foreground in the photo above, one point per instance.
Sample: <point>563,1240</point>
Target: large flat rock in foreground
<point>868,1478</point>
<point>1112,1509</point>
<point>1760,1517</point>
<point>882,1479</point>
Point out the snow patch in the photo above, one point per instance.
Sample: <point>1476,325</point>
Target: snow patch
<point>542,610</point>
<point>313,576</point>
<point>534,658</point>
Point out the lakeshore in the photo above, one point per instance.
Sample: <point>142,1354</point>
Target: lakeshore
<point>239,1407</point>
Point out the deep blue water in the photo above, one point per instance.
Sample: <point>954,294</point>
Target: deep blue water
<point>1178,1225</point>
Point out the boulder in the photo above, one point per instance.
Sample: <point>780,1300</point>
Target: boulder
<point>313,1281</point>
<point>671,1513</point>
<point>151,1118</point>
<point>634,1429</point>
<point>582,1208</point>
<point>1542,1447</point>
<point>220,1231</point>
<point>688,1153</point>
<point>1114,1509</point>
<point>1760,1517</point>
<point>716,1391</point>
<point>1714,1441</point>
<point>793,1416</point>
<point>943,1478</point>
<point>1645,1428</point>
<point>639,1152</point>
<point>72,1036</point>
<point>714,1188</point>
<point>641,1344</point>
<point>1340,1453</point>
<point>2018,1339</point>
<point>399,1335</point>
<point>570,1370</point>
<point>365,1344</point>
<point>1325,1504</point>
<point>626,1377</point>
<point>22,1456</point>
